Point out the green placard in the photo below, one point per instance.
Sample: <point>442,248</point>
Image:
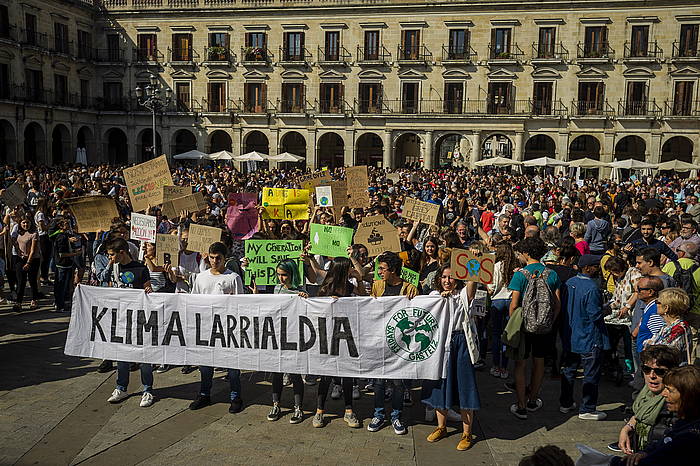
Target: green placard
<point>330,241</point>
<point>264,255</point>
<point>407,274</point>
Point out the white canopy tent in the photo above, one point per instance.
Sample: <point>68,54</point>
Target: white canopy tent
<point>221,155</point>
<point>251,157</point>
<point>587,163</point>
<point>678,166</point>
<point>192,155</point>
<point>497,162</point>
<point>632,164</point>
<point>285,157</point>
<point>545,162</point>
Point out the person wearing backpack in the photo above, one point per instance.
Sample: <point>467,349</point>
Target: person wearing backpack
<point>589,339</point>
<point>536,289</point>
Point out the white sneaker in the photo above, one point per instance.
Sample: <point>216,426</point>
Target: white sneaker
<point>146,399</point>
<point>429,414</point>
<point>453,416</point>
<point>117,396</point>
<point>594,416</point>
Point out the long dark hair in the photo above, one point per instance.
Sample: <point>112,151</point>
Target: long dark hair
<point>336,278</point>
<point>424,255</point>
<point>505,254</point>
<point>437,283</point>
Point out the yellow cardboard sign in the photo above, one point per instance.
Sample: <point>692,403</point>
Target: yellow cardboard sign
<point>286,204</point>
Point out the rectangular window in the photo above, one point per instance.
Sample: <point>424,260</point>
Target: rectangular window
<point>218,46</point>
<point>596,42</point>
<point>113,48</point>
<point>255,46</point>
<point>147,47</point>
<point>4,21</point>
<point>689,40</point>
<point>501,42</point>
<point>293,46</point>
<point>542,94</point>
<point>371,45</point>
<point>84,45</point>
<point>255,95</point>
<point>410,44</point>
<point>409,97</point>
<point>4,80</point>
<point>331,97</point>
<point>112,96</point>
<point>60,37</point>
<point>458,48</point>
<point>499,98</point>
<point>30,33</point>
<point>217,97</point>
<point>547,42</point>
<point>182,47</point>
<point>34,85</point>
<point>370,97</point>
<point>182,94</point>
<point>683,98</point>
<point>84,93</point>
<point>590,98</point>
<point>292,98</point>
<point>636,98</point>
<point>60,89</point>
<point>332,48</point>
<point>640,41</point>
<point>454,97</point>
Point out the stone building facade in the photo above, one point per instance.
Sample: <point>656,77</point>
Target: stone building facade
<point>344,82</point>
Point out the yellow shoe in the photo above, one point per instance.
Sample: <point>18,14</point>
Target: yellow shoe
<point>438,433</point>
<point>465,443</point>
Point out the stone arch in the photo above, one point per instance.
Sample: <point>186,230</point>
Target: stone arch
<point>294,143</point>
<point>631,147</point>
<point>584,146</point>
<point>677,148</point>
<point>8,143</point>
<point>34,143</point>
<point>183,140</point>
<point>145,142</point>
<point>117,146</point>
<point>86,140</point>
<point>331,150</point>
<point>452,149</point>
<point>369,150</point>
<point>496,145</point>
<point>408,149</point>
<point>256,141</point>
<point>61,145</point>
<point>540,145</point>
<point>220,140</point>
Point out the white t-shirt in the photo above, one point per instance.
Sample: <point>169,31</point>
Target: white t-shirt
<point>227,282</point>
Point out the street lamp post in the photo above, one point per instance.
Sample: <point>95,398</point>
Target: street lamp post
<point>151,99</point>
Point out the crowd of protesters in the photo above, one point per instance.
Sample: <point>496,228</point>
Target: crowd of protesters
<point>589,275</point>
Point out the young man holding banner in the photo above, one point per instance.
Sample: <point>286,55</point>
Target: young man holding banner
<point>127,273</point>
<point>218,280</point>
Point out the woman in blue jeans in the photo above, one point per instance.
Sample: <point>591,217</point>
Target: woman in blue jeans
<point>500,304</point>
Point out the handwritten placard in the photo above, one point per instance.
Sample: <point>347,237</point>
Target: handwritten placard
<point>358,182</point>
<point>290,204</point>
<point>145,181</point>
<point>377,235</point>
<point>174,192</point>
<point>330,240</point>
<point>310,181</point>
<point>143,227</point>
<point>13,196</point>
<point>167,249</point>
<point>191,203</point>
<point>264,255</point>
<point>420,211</point>
<point>465,265</point>
<point>93,213</point>
<point>201,237</point>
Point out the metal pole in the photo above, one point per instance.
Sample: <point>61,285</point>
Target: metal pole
<point>153,109</point>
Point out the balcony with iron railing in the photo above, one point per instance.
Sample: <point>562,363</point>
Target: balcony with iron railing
<point>294,55</point>
<point>548,53</point>
<point>85,53</point>
<point>373,55</point>
<point>256,55</point>
<point>113,104</point>
<point>60,46</point>
<point>458,54</point>
<point>642,53</point>
<point>370,106</point>
<point>182,55</point>
<point>686,52</point>
<point>591,108</point>
<point>256,106</point>
<point>413,54</point>
<point>468,107</point>
<point>641,108</point>
<point>598,52</point>
<point>333,55</point>
<point>147,55</point>
<point>8,32</point>
<point>300,106</point>
<point>214,106</point>
<point>333,107</point>
<point>511,54</point>
<point>37,95</point>
<point>109,56</point>
<point>219,54</point>
<point>682,108</point>
<point>29,38</point>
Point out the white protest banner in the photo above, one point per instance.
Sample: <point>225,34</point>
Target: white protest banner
<point>324,196</point>
<point>362,337</point>
<point>143,227</point>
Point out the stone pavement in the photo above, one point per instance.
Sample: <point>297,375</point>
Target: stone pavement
<point>53,410</point>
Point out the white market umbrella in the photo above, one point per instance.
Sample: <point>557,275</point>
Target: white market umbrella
<point>285,157</point>
<point>251,157</point>
<point>678,166</point>
<point>632,164</point>
<point>221,155</point>
<point>496,162</point>
<point>545,162</point>
<point>587,163</point>
<point>192,155</point>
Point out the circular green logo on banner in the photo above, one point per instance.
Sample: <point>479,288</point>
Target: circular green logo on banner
<point>411,333</point>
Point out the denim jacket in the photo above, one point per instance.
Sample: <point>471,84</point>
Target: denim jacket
<point>585,313</point>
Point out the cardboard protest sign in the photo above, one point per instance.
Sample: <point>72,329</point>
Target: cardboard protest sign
<point>168,249</point>
<point>310,181</point>
<point>13,196</point>
<point>289,204</point>
<point>340,195</point>
<point>358,182</point>
<point>143,227</point>
<point>324,196</point>
<point>144,182</point>
<point>93,213</point>
<point>416,210</point>
<point>394,177</point>
<point>242,215</point>
<point>191,203</point>
<point>378,235</point>
<point>174,192</point>
<point>464,265</point>
<point>329,240</point>
<point>201,237</point>
<point>264,255</point>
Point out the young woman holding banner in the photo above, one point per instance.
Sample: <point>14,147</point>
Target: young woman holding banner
<point>337,285</point>
<point>458,389</point>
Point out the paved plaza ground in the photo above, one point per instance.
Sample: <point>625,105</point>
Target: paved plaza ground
<point>53,410</point>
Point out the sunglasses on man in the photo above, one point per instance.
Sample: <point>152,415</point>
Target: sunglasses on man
<point>660,371</point>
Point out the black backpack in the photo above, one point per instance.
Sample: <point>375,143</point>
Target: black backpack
<point>685,279</point>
